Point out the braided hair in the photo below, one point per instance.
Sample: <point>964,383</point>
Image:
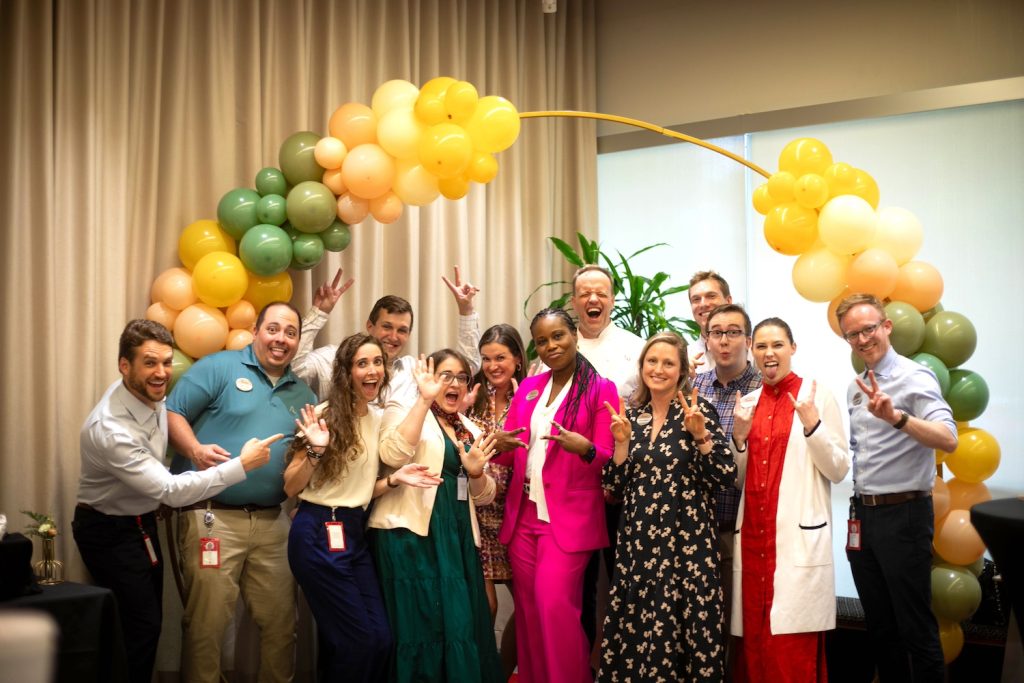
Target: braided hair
<point>583,376</point>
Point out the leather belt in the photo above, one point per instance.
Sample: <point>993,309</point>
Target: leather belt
<point>891,498</point>
<point>214,505</point>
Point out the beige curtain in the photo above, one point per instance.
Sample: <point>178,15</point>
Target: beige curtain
<point>124,121</point>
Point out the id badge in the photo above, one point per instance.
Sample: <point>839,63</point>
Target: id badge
<point>853,534</point>
<point>335,536</point>
<point>150,551</point>
<point>209,553</point>
<point>463,486</point>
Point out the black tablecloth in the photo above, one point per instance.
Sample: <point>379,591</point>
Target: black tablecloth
<point>91,646</point>
<point>1001,525</point>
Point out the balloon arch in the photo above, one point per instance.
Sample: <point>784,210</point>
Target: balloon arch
<point>412,145</point>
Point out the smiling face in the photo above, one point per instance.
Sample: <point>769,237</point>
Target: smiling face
<point>555,343</point>
<point>705,296</point>
<point>867,333</point>
<point>392,330</point>
<point>276,339</point>
<point>367,372</point>
<point>592,301</point>
<point>456,378</point>
<point>499,365</point>
<point>773,353</point>
<point>148,373</point>
<point>662,369</point>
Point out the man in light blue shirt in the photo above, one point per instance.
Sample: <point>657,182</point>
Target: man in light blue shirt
<point>897,419</point>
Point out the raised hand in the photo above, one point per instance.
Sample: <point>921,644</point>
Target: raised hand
<point>312,428</point>
<point>568,439</point>
<point>697,361</point>
<point>429,385</point>
<point>256,452</point>
<point>469,400</point>
<point>479,453</point>
<point>805,409</point>
<point>508,441</point>
<point>462,291</point>
<point>693,419</point>
<point>879,403</point>
<point>327,294</point>
<point>621,427</point>
<point>742,420</point>
<point>416,475</point>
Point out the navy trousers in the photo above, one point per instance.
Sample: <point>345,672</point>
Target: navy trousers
<point>892,573</point>
<point>342,591</point>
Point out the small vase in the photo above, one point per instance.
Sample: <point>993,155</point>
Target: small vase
<point>49,571</point>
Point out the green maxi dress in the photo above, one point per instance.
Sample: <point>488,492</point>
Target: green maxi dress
<point>433,589</point>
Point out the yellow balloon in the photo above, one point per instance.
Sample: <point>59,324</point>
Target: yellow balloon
<point>265,290</point>
<point>453,188</point>
<point>399,132</point>
<point>483,167</point>
<point>763,202</point>
<point>791,229</point>
<point>847,224</point>
<point>841,179</point>
<point>220,279</point>
<point>445,150</point>
<point>413,184</point>
<point>804,155</point>
<point>201,238</point>
<point>951,635</point>
<point>810,190</point>
<point>976,456</point>
<point>780,186</point>
<point>865,187</point>
<point>820,274</point>
<point>393,94</point>
<point>460,101</point>
<point>429,105</point>
<point>200,330</point>
<point>494,125</point>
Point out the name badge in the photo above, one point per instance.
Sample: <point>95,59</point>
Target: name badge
<point>150,551</point>
<point>209,553</point>
<point>463,487</point>
<point>644,419</point>
<point>335,536</point>
<point>243,384</point>
<point>532,395</point>
<point>853,534</point>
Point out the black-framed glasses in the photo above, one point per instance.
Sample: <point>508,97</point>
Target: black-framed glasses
<point>731,334</point>
<point>461,379</point>
<point>862,333</point>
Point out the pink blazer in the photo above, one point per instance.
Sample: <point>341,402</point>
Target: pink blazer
<point>572,487</point>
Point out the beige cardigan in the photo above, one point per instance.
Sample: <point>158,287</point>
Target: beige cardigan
<point>408,507</point>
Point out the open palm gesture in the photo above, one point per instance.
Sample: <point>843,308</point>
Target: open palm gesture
<point>429,384</point>
<point>313,429</point>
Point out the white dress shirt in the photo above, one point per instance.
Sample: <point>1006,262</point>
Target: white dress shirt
<point>615,354</point>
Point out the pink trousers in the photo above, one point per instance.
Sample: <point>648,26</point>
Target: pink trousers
<point>547,584</point>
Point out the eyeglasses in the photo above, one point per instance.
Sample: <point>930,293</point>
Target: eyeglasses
<point>863,333</point>
<point>460,379</point>
<point>731,334</point>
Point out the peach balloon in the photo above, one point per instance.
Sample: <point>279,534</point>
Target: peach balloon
<point>962,494</point>
<point>386,208</point>
<point>200,330</point>
<point>354,124</point>
<point>334,182</point>
<point>241,316</point>
<point>820,274</point>
<point>956,540</point>
<point>899,232</point>
<point>330,152</point>
<point>368,171</point>
<point>174,288</point>
<point>160,312</point>
<point>940,499</point>
<point>832,306</point>
<point>238,339</point>
<point>414,185</point>
<point>352,209</point>
<point>265,290</point>
<point>872,271</point>
<point>919,284</point>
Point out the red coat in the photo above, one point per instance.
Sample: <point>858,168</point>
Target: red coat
<point>572,487</point>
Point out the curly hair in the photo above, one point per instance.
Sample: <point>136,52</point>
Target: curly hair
<point>345,442</point>
<point>583,376</point>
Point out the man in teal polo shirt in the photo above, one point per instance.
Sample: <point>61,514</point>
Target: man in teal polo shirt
<point>237,541</point>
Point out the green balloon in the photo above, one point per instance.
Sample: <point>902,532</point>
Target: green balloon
<point>296,158</point>
<point>956,593</point>
<point>312,207</point>
<point>271,210</point>
<point>951,337</point>
<point>292,232</point>
<point>307,250</point>
<point>336,237</point>
<point>180,364</point>
<point>967,395</point>
<point>857,363</point>
<point>907,327</point>
<point>266,250</point>
<point>936,366</point>
<point>270,180</point>
<point>236,211</point>
<point>927,315</point>
<point>977,567</point>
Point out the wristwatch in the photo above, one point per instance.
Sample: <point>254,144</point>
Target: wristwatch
<point>591,453</point>
<point>902,422</point>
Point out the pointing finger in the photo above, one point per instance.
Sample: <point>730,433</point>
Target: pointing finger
<point>271,439</point>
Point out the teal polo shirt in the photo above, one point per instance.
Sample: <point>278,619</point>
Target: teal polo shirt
<point>228,399</point>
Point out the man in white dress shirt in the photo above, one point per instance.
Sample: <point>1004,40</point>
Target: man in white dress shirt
<point>708,290</point>
<point>124,480</point>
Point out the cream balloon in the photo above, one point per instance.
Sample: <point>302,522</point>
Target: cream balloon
<point>899,232</point>
<point>399,132</point>
<point>391,95</point>
<point>330,152</point>
<point>414,185</point>
<point>820,274</point>
<point>847,224</point>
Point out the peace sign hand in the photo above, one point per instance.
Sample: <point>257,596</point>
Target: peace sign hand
<point>327,294</point>
<point>742,419</point>
<point>462,291</point>
<point>568,439</point>
<point>805,409</point>
<point>879,403</point>
<point>621,427</point>
<point>693,419</point>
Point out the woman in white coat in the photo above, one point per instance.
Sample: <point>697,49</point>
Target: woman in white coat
<point>790,446</point>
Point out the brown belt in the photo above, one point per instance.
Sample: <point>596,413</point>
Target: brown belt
<point>891,498</point>
<point>214,505</point>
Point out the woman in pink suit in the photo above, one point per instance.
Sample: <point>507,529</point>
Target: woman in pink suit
<point>554,512</point>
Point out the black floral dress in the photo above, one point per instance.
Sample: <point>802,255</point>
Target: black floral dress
<point>665,612</point>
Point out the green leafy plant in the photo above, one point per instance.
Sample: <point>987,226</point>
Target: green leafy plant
<point>639,300</point>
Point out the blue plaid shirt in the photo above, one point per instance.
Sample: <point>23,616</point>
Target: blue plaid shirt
<point>727,501</point>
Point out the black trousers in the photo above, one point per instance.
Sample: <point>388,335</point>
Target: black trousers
<point>892,573</point>
<point>115,555</point>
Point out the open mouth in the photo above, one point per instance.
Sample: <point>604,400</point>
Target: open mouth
<point>370,387</point>
<point>278,352</point>
<point>594,313</point>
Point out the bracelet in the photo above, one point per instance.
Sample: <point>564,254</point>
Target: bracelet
<point>902,422</point>
<point>390,485</point>
<point>737,446</point>
<point>704,439</point>
<point>313,455</point>
<point>808,432</point>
